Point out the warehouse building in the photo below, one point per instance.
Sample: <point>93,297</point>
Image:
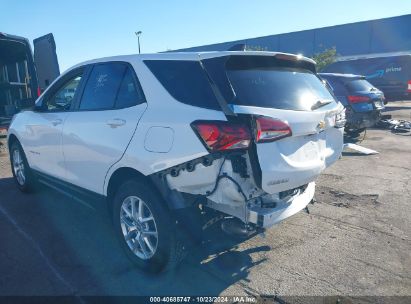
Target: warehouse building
<point>378,49</point>
<point>360,38</point>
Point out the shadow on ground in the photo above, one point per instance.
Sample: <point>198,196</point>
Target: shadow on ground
<point>396,108</point>
<point>52,245</point>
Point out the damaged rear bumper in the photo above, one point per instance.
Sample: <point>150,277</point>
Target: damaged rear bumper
<point>359,120</point>
<point>267,217</point>
<point>222,185</point>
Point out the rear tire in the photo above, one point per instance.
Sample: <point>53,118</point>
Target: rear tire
<point>145,227</point>
<point>22,173</point>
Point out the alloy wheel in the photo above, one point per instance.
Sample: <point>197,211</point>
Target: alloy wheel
<point>18,167</point>
<point>139,227</point>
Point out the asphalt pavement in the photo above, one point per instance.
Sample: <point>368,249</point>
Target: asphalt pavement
<point>355,241</point>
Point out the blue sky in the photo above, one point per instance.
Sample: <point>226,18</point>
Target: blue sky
<point>89,29</point>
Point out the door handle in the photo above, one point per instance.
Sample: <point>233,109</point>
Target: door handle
<point>56,122</point>
<point>116,122</point>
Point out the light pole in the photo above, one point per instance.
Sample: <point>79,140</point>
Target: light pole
<point>138,38</point>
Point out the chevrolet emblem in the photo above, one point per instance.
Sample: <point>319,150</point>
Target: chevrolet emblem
<point>321,126</point>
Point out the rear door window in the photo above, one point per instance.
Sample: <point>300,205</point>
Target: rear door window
<point>130,93</point>
<point>102,86</point>
<point>185,81</point>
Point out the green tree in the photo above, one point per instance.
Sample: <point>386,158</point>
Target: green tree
<point>325,58</point>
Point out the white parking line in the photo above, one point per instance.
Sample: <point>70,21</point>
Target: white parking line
<point>38,249</point>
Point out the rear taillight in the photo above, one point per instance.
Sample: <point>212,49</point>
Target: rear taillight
<point>38,91</point>
<point>222,135</point>
<point>357,99</point>
<point>409,86</point>
<point>270,129</point>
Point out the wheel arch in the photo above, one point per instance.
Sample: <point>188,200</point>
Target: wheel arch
<point>172,199</point>
<point>119,175</point>
<point>14,138</point>
<point>11,140</point>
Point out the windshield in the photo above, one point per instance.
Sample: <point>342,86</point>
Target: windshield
<point>359,85</point>
<point>282,88</point>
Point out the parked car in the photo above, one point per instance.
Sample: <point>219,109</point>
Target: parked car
<point>362,101</point>
<point>160,139</point>
<point>389,72</point>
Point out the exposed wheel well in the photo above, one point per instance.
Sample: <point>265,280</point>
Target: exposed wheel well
<point>121,175</point>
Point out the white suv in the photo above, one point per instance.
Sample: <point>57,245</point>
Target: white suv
<point>164,138</point>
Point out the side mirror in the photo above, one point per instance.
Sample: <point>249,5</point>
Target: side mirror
<point>39,107</point>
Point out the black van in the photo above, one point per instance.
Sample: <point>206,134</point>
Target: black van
<point>22,76</point>
<point>391,73</point>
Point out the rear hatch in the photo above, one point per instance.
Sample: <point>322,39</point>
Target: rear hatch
<point>284,89</point>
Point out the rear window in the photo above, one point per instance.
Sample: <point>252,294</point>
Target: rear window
<point>359,85</point>
<point>281,88</point>
<point>186,81</point>
<point>336,85</point>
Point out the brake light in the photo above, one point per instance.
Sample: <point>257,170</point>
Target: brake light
<point>357,99</point>
<point>222,135</point>
<point>271,129</point>
<point>409,86</point>
<point>38,91</point>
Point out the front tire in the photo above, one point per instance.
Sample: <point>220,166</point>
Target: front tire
<point>23,175</point>
<point>145,227</point>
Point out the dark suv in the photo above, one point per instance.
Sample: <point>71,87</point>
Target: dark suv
<point>362,101</point>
